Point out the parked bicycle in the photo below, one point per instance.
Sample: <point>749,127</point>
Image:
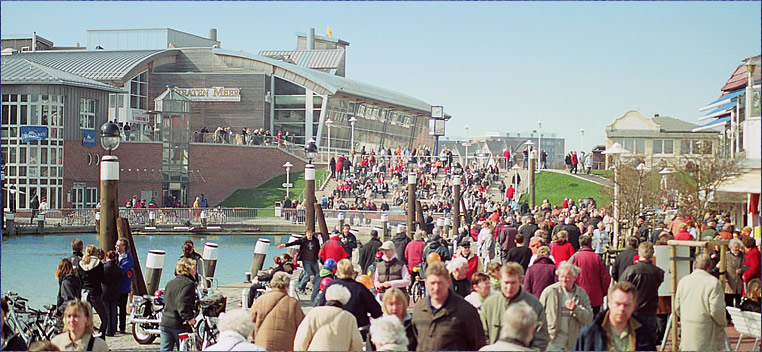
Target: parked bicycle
<point>205,332</point>
<point>30,324</point>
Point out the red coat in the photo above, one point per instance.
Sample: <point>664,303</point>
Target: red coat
<point>475,234</point>
<point>473,265</point>
<point>333,250</point>
<point>510,191</point>
<point>561,251</point>
<point>752,259</point>
<point>593,277</point>
<point>414,254</point>
<point>684,236</point>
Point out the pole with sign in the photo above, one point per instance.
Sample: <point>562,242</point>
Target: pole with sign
<point>437,125</point>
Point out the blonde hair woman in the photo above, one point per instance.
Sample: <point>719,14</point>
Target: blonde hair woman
<point>394,303</point>
<point>180,308</point>
<point>78,329</point>
<point>91,271</point>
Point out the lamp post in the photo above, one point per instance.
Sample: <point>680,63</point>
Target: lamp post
<point>329,123</point>
<point>749,107</point>
<point>530,168</point>
<point>288,184</point>
<point>309,185</point>
<point>352,121</point>
<point>640,168</point>
<point>456,200</point>
<point>582,139</point>
<point>411,178</point>
<point>467,143</point>
<point>539,142</point>
<point>615,150</point>
<point>665,172</point>
<point>110,138</point>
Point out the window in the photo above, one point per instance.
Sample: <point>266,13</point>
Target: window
<point>695,147</point>
<point>87,114</point>
<point>139,91</point>
<point>663,146</point>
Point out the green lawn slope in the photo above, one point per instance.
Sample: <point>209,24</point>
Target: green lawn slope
<point>556,187</point>
<point>268,193</point>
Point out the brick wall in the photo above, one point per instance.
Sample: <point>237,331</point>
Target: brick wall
<point>140,165</point>
<point>220,169</point>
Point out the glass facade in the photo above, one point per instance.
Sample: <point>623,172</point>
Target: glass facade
<point>376,126</point>
<point>174,130</point>
<point>34,166</point>
<point>291,109</point>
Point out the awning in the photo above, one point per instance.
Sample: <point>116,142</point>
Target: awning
<point>723,100</point>
<point>712,124</point>
<point>722,110</point>
<point>748,182</point>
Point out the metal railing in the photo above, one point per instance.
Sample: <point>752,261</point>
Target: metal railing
<point>213,216</point>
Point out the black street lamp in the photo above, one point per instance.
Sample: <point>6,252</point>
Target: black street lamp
<point>311,150</point>
<point>110,136</point>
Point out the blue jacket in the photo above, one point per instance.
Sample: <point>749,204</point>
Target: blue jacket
<point>126,264</point>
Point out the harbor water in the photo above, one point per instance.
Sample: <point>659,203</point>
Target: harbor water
<point>29,262</point>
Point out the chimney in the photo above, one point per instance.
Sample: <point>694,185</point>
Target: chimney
<point>213,34</point>
<point>311,39</point>
<point>34,41</point>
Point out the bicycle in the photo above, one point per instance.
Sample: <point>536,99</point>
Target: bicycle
<point>418,288</point>
<point>205,331</point>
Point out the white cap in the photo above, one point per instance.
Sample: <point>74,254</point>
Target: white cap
<point>400,228</point>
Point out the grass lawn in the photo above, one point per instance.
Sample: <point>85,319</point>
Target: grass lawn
<point>557,186</point>
<point>268,193</point>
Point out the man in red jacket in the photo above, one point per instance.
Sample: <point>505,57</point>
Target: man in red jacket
<point>414,251</point>
<point>333,249</point>
<point>594,277</point>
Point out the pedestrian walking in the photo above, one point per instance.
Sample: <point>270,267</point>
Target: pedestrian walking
<point>276,316</point>
<point>700,305</point>
<point>77,332</point>
<point>329,327</point>
<point>445,321</point>
<point>567,308</point>
<point>126,264</point>
<point>180,310</point>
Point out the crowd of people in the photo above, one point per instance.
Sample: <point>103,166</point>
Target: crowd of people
<point>524,281</point>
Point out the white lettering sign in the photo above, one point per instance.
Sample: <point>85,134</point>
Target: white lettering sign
<point>211,94</point>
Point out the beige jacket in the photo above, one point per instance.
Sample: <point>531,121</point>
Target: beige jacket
<point>64,342</point>
<point>702,320</point>
<point>277,317</point>
<point>328,328</point>
<point>551,299</point>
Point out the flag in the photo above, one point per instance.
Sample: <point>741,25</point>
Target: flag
<point>328,31</point>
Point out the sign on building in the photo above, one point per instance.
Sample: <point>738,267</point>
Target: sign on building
<point>213,94</point>
<point>33,133</point>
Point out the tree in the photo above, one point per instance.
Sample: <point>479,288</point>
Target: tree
<point>697,178</point>
<point>638,189</point>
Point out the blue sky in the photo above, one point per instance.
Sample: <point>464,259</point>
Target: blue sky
<point>494,66</point>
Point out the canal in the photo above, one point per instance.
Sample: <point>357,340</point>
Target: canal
<point>29,263</point>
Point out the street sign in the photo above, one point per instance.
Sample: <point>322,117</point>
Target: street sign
<point>287,185</point>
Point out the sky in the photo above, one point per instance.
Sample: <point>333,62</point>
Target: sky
<point>494,66</point>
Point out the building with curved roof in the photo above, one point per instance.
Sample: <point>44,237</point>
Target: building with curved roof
<point>235,90</point>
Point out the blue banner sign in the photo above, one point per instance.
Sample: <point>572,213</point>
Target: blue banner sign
<point>88,138</point>
<point>33,133</point>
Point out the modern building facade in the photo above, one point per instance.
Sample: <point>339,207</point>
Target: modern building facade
<point>223,88</point>
<point>480,147</point>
